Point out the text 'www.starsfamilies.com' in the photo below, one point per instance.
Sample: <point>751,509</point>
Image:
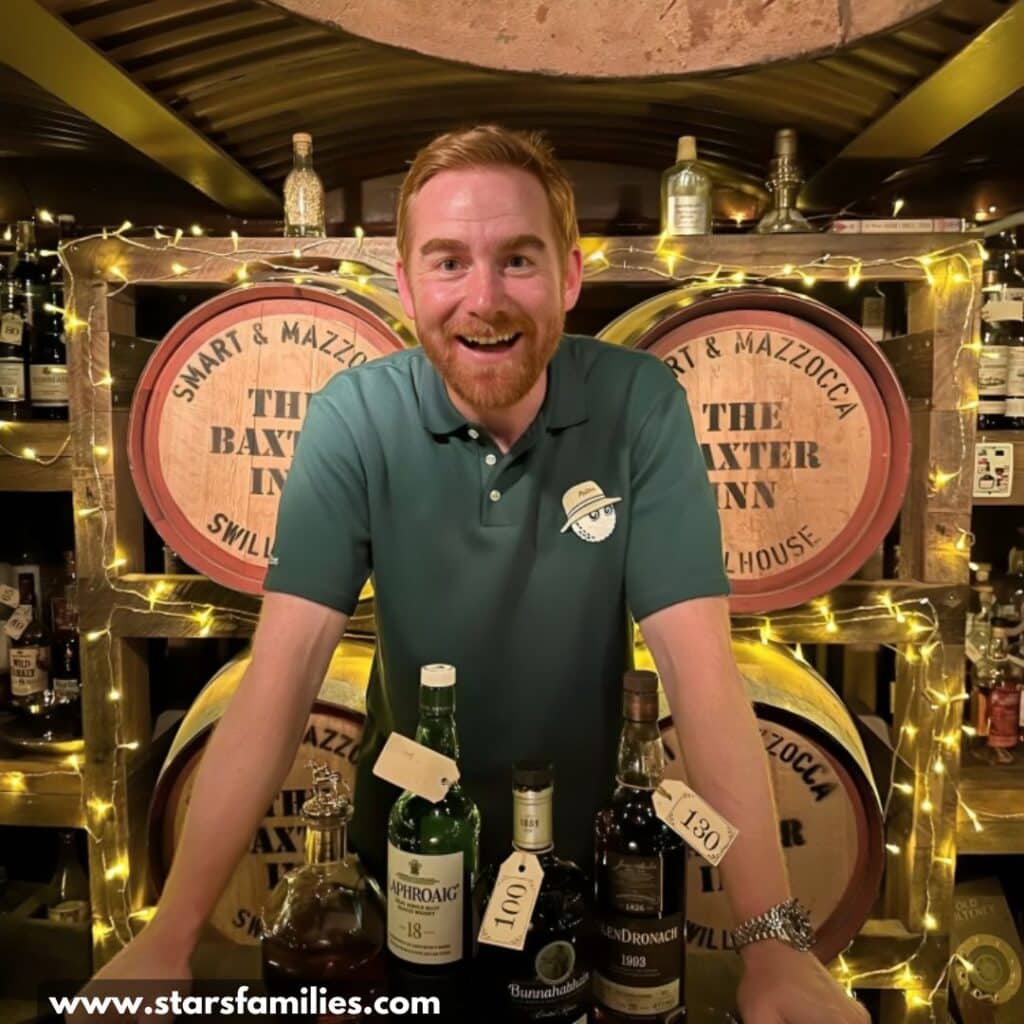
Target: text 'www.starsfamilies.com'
<point>311,1001</point>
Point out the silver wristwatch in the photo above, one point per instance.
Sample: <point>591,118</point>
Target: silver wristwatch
<point>788,922</point>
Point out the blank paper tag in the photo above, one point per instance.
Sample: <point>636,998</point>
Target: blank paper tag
<point>409,765</point>
<point>18,622</point>
<point>703,828</point>
<point>507,918</point>
<point>9,596</point>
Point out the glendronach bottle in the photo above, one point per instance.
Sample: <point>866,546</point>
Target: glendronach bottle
<point>549,980</point>
<point>640,875</point>
<point>303,192</point>
<point>433,851</point>
<point>686,193</point>
<point>323,924</point>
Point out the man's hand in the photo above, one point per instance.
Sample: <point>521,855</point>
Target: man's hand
<point>783,986</point>
<point>155,963</point>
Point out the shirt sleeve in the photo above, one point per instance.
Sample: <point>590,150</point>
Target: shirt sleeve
<point>674,551</point>
<point>322,545</point>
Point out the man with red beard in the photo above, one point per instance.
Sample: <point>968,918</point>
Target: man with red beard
<point>517,493</point>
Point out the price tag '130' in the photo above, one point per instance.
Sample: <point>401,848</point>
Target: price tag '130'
<point>703,828</point>
<point>507,918</point>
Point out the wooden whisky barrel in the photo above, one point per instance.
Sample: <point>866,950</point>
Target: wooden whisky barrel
<point>803,426</point>
<point>219,408</point>
<point>830,816</point>
<point>332,735</point>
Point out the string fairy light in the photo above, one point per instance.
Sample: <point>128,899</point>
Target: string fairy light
<point>916,618</point>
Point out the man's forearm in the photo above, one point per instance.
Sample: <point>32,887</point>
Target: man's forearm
<point>242,769</point>
<point>724,756</point>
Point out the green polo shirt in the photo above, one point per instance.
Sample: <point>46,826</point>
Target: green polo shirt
<point>472,564</point>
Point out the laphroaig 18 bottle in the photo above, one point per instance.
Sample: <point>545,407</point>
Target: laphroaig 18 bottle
<point>433,850</point>
<point>640,874</point>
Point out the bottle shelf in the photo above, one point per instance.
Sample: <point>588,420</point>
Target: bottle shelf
<point>991,790</point>
<point>48,439</point>
<point>39,791</point>
<point>1009,437</point>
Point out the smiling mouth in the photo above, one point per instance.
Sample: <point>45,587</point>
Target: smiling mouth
<point>495,343</point>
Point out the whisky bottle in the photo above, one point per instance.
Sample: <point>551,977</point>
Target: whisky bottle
<point>69,902</point>
<point>549,980</point>
<point>640,868</point>
<point>30,654</point>
<point>64,709</point>
<point>433,850</point>
<point>686,193</point>
<point>1002,682</point>
<point>303,192</point>
<point>48,360</point>
<point>19,303</point>
<point>323,923</point>
<point>783,184</point>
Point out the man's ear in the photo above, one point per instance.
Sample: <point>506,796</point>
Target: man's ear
<point>573,278</point>
<point>404,291</point>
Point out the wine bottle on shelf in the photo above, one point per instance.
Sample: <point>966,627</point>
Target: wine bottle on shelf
<point>30,653</point>
<point>783,184</point>
<point>69,903</point>
<point>686,193</point>
<point>303,192</point>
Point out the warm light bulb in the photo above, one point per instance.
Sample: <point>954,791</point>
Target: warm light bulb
<point>930,922</point>
<point>892,848</point>
<point>904,787</point>
<point>927,806</point>
<point>118,870</point>
<point>359,232</point>
<point>100,451</point>
<point>897,205</point>
<point>45,216</point>
<point>28,453</point>
<point>196,230</point>
<point>178,268</point>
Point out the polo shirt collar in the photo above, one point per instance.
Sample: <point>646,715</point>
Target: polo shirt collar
<point>564,405</point>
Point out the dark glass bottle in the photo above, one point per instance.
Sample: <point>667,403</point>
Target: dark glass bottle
<point>48,369</point>
<point>30,654</point>
<point>20,300</point>
<point>63,708</point>
<point>549,980</point>
<point>640,876</point>
<point>323,924</point>
<point>69,902</point>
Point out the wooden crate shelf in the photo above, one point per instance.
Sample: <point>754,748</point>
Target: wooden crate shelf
<point>995,793</point>
<point>40,791</point>
<point>49,440</point>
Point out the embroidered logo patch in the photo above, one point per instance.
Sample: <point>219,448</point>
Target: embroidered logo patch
<point>589,512</point>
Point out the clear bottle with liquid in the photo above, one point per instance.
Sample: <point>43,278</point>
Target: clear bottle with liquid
<point>686,193</point>
<point>303,192</point>
<point>323,924</point>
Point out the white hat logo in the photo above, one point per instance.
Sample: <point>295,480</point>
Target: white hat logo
<point>589,512</point>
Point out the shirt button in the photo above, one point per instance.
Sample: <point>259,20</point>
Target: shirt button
<point>490,459</point>
<point>495,495</point>
<point>474,433</point>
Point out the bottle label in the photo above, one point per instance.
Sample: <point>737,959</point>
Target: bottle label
<point>559,983</point>
<point>12,380</point>
<point>11,329</point>
<point>1015,371</point>
<point>992,370</point>
<point>640,964</point>
<point>531,825</point>
<point>67,688</point>
<point>28,671</point>
<point>69,912</point>
<point>1015,406</point>
<point>687,215</point>
<point>1004,716</point>
<point>49,384</point>
<point>635,883</point>
<point>425,906</point>
<point>991,407</point>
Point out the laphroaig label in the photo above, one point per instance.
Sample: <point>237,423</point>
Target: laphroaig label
<point>28,670</point>
<point>425,906</point>
<point>635,883</point>
<point>640,964</point>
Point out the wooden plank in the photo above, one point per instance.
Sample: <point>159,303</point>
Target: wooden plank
<point>50,442</point>
<point>993,796</point>
<point>40,791</point>
<point>218,259</point>
<point>911,357</point>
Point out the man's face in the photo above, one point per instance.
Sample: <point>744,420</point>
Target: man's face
<point>484,283</point>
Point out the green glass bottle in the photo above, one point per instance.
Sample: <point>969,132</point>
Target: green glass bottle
<point>433,850</point>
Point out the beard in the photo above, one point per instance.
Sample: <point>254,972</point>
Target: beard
<point>506,381</point>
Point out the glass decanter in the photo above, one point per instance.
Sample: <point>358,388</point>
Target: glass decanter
<point>324,922</point>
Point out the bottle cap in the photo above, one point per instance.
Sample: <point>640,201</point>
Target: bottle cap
<point>302,142</point>
<point>785,142</point>
<point>641,682</point>
<point>437,675</point>
<point>535,774</point>
<point>331,801</point>
<point>686,148</point>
